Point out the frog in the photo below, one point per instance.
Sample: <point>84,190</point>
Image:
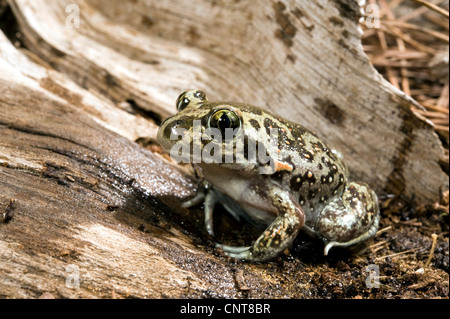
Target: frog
<point>298,184</point>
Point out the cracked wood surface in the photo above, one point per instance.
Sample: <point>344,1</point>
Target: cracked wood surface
<point>74,102</point>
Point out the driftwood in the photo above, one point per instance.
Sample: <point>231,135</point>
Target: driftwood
<point>91,213</point>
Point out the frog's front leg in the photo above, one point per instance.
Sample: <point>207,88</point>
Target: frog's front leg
<point>280,233</point>
<point>210,196</point>
<point>205,194</point>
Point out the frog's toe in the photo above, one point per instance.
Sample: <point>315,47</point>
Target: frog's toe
<point>202,192</point>
<point>197,199</point>
<point>242,253</point>
<point>233,249</point>
<point>329,246</point>
<point>209,208</point>
<point>332,244</point>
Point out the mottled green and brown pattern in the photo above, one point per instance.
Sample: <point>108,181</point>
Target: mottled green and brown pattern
<point>309,189</point>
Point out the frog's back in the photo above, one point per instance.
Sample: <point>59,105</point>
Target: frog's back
<point>307,167</point>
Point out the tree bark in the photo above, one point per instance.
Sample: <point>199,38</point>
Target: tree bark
<point>85,201</point>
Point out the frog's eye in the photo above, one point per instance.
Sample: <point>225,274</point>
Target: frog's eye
<point>200,95</point>
<point>182,101</point>
<point>223,119</point>
<point>193,97</point>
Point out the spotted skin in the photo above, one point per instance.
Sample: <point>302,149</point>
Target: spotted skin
<point>308,187</point>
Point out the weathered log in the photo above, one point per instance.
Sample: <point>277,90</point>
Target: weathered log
<point>302,60</point>
<point>87,198</point>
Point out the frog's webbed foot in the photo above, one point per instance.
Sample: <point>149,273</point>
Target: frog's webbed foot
<point>210,197</point>
<point>278,236</point>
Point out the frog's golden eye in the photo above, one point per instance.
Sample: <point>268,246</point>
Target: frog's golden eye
<point>223,119</point>
<point>182,101</point>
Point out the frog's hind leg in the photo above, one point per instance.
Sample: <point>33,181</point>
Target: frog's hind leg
<point>351,219</point>
<point>368,234</point>
<point>278,236</point>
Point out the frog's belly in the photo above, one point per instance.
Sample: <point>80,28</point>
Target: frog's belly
<point>260,217</point>
<point>257,206</point>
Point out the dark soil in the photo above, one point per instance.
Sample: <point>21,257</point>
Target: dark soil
<point>399,252</point>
